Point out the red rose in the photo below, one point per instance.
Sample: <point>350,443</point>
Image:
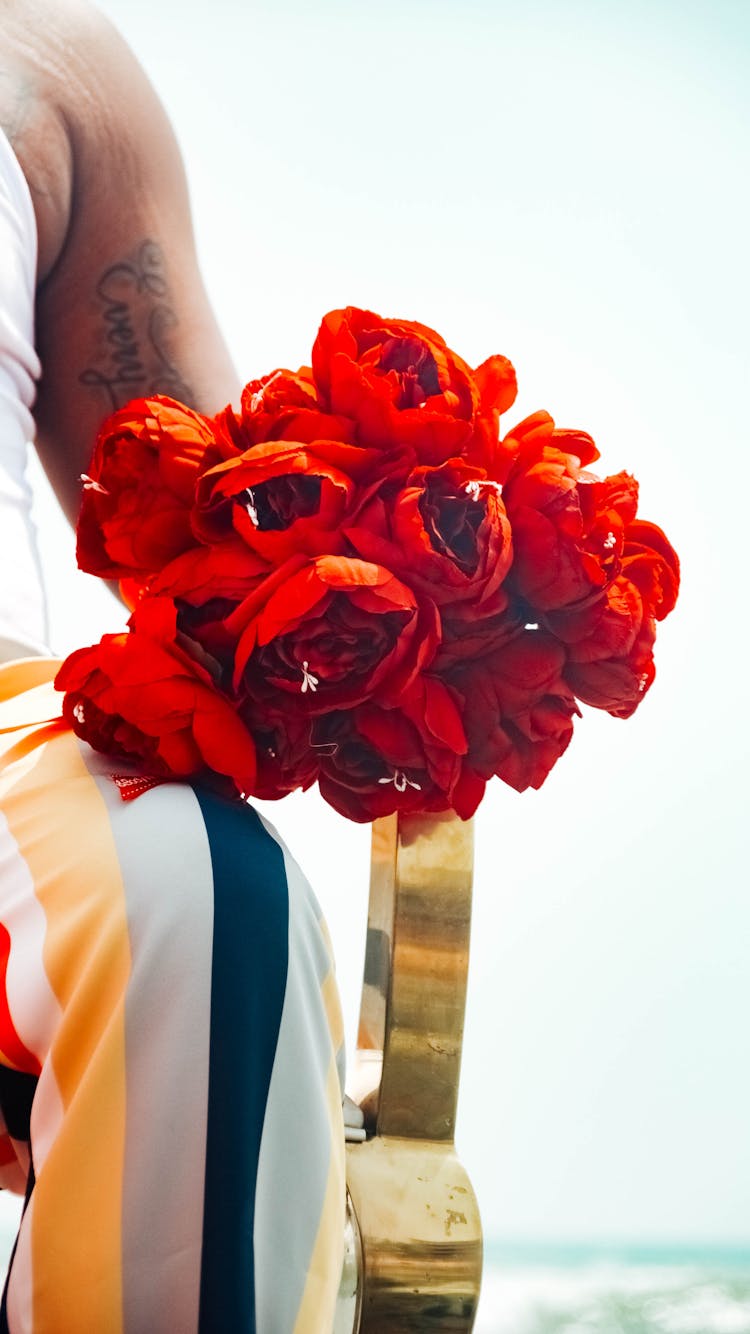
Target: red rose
<point>227,570</point>
<point>540,429</point>
<point>286,757</point>
<point>284,406</point>
<point>447,535</point>
<point>355,579</point>
<point>139,695</point>
<point>518,713</point>
<point>397,380</point>
<point>207,584</point>
<point>281,390</point>
<point>283,497</point>
<point>135,513</point>
<point>610,650</point>
<point>333,633</point>
<point>496,382</point>
<point>568,526</point>
<point>407,758</point>
<point>650,562</point>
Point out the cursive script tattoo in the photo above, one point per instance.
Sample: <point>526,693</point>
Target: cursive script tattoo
<point>138,320</point>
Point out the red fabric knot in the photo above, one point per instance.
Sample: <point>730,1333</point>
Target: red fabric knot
<point>134,785</point>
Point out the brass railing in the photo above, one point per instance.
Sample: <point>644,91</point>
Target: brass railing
<point>414,1233</point>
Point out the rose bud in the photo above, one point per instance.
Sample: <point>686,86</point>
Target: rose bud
<point>496,382</point>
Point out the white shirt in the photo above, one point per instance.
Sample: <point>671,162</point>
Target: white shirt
<point>23,624</point>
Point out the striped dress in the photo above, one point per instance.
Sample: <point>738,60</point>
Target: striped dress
<point>170,1051</point>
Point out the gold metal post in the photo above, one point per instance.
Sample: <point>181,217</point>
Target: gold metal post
<point>416,1212</point>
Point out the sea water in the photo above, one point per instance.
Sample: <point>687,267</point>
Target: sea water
<point>533,1289</point>
<point>614,1290</point>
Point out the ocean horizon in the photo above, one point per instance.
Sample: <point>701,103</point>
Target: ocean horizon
<point>584,1287</point>
<point>614,1287</point>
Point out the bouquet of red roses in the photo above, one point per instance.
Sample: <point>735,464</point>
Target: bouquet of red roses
<point>358,580</point>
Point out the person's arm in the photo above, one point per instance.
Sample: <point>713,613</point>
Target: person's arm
<point>123,311</point>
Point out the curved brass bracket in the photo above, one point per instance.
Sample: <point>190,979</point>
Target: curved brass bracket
<point>416,1211</point>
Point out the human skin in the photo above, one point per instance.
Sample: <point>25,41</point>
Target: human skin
<point>121,307</point>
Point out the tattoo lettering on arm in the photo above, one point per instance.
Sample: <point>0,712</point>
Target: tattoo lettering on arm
<point>137,321</point>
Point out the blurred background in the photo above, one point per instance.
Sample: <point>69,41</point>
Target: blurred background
<point>565,183</point>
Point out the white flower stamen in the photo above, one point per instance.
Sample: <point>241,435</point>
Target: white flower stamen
<point>400,781</point>
<point>90,485</point>
<point>531,625</point>
<point>309,682</point>
<point>256,401</point>
<point>609,542</point>
<point>250,507</point>
<point>328,748</point>
<point>474,488</point>
<point>79,713</point>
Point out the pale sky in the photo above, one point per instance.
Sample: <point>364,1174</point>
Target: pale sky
<point>564,183</point>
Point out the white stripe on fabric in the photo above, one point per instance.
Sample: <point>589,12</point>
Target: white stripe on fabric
<point>34,1007</point>
<point>165,862</point>
<point>295,1149</point>
<point>21,1284</point>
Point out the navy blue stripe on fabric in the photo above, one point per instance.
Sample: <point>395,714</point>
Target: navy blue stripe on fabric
<point>248,983</point>
<point>17,1091</point>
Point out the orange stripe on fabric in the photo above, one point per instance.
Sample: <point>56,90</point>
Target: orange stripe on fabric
<point>332,1002</point>
<point>59,821</point>
<point>25,674</point>
<point>318,1303</point>
<point>325,933</point>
